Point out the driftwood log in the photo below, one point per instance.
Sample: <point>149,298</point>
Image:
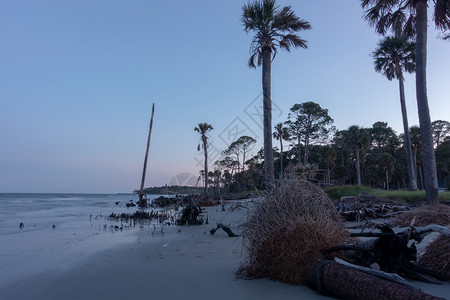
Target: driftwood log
<point>331,278</point>
<point>392,253</point>
<point>224,228</point>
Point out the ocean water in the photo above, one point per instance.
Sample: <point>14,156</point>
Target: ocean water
<point>59,230</point>
<point>42,211</point>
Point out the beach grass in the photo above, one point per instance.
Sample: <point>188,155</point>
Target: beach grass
<point>336,192</point>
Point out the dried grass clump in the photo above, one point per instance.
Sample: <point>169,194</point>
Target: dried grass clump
<point>437,256</point>
<point>289,229</point>
<point>425,215</point>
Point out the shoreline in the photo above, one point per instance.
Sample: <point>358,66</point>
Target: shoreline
<point>181,262</point>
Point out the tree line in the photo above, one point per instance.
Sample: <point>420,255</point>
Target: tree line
<point>405,51</point>
<point>375,156</point>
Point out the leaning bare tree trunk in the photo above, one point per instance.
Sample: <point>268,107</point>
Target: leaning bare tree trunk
<point>409,157</point>
<point>348,283</point>
<point>267,111</point>
<point>142,198</point>
<point>428,156</point>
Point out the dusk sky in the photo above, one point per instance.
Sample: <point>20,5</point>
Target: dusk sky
<point>78,79</point>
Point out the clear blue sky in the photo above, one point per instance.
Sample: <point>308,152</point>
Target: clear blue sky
<point>78,78</point>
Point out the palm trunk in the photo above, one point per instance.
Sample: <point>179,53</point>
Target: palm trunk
<point>267,111</point>
<point>428,156</point>
<point>421,177</point>
<point>409,158</point>
<point>206,166</point>
<point>415,164</point>
<point>281,157</point>
<point>358,169</point>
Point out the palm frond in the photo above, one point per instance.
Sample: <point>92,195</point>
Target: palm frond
<point>289,40</point>
<point>441,14</point>
<point>398,19</point>
<point>251,61</point>
<point>393,56</point>
<point>387,14</point>
<point>269,23</point>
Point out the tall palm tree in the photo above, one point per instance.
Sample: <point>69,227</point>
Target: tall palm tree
<point>357,139</point>
<point>203,128</point>
<point>392,57</point>
<point>416,145</point>
<point>274,28</point>
<point>281,133</point>
<point>379,13</point>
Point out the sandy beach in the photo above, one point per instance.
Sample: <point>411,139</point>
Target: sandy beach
<point>177,263</point>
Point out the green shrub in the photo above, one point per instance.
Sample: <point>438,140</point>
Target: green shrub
<point>336,192</point>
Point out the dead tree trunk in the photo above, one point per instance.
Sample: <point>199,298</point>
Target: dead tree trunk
<point>345,282</point>
<point>142,197</point>
<point>225,228</point>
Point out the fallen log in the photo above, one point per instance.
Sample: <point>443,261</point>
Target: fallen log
<point>331,278</point>
<point>224,228</point>
<point>391,252</point>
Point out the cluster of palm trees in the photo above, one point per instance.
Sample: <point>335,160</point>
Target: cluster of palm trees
<point>409,19</point>
<point>276,27</point>
<point>373,156</point>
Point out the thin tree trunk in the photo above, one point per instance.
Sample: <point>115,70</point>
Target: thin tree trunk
<point>305,155</point>
<point>358,169</point>
<point>299,151</point>
<point>281,157</point>
<point>206,165</point>
<point>416,168</point>
<point>428,156</point>
<point>267,111</point>
<point>218,183</point>
<point>143,202</point>
<point>387,180</point>
<point>409,158</point>
<point>421,177</point>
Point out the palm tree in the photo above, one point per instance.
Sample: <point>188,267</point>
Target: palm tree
<point>394,56</point>
<point>357,139</point>
<point>416,145</point>
<point>274,28</point>
<point>203,128</point>
<point>381,14</point>
<point>281,133</point>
